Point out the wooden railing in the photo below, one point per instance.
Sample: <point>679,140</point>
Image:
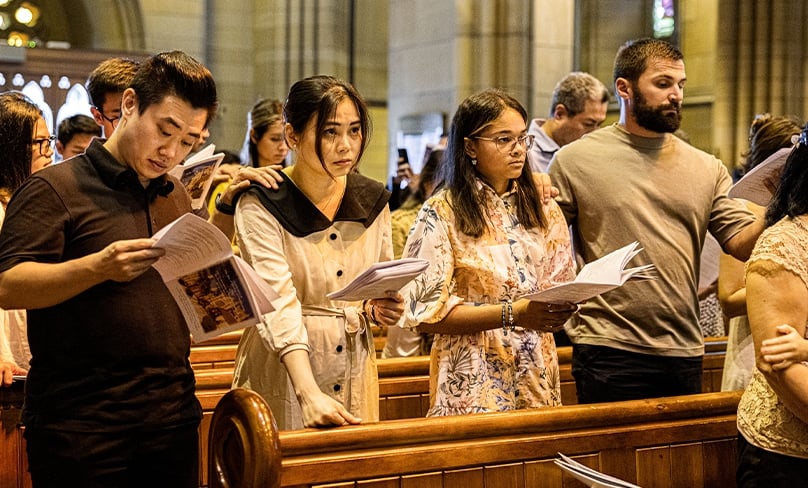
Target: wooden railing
<point>678,441</point>
<point>403,387</point>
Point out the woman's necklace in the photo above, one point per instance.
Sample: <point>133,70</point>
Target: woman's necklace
<point>327,208</point>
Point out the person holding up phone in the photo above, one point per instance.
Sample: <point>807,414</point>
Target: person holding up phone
<point>400,183</point>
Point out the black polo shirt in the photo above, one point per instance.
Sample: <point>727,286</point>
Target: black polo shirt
<point>114,357</point>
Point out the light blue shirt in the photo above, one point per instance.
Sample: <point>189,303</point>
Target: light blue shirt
<point>543,149</point>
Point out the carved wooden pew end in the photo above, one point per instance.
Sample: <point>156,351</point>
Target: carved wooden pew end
<point>243,447</point>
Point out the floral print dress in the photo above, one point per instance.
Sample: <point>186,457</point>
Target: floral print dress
<point>489,371</point>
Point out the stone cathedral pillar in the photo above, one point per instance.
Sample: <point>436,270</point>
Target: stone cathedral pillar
<point>441,52</point>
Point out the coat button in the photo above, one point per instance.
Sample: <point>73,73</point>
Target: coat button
<point>337,387</point>
<point>339,272</point>
<point>333,236</point>
<point>339,348</point>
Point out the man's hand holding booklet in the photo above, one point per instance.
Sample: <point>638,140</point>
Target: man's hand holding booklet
<point>380,278</point>
<point>596,277</point>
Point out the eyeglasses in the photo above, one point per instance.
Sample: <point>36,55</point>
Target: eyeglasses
<point>507,144</point>
<point>39,142</point>
<point>111,120</point>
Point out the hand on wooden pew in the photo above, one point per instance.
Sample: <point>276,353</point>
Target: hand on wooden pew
<point>320,410</point>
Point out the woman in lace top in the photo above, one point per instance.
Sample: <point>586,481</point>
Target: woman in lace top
<point>773,412</point>
<point>489,241</point>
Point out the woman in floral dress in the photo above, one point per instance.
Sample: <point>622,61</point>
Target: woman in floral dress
<point>489,240</point>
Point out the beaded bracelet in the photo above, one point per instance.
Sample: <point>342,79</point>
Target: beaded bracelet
<point>370,311</point>
<point>507,317</point>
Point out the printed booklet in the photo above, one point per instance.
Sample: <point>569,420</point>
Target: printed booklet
<point>759,183</point>
<point>599,276</point>
<point>589,476</point>
<point>216,290</point>
<point>196,174</point>
<point>379,278</point>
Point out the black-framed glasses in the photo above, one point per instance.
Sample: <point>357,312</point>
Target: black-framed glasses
<point>50,140</point>
<point>111,120</point>
<point>507,144</point>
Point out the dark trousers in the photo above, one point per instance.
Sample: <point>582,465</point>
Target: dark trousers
<point>758,468</point>
<point>167,458</point>
<point>605,374</point>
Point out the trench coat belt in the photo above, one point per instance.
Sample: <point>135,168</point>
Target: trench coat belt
<point>356,333</point>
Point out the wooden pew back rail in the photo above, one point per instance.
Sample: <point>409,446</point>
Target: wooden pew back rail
<point>677,441</point>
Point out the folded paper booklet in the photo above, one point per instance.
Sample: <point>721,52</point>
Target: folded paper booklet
<point>599,276</point>
<point>196,174</point>
<point>216,290</point>
<point>759,183</point>
<point>590,477</point>
<point>379,278</point>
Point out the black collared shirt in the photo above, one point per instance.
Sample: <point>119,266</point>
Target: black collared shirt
<point>115,356</point>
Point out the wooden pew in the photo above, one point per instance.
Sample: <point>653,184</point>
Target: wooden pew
<point>404,392</point>
<point>13,461</point>
<point>677,441</point>
<point>243,423</point>
<point>404,382</point>
<point>220,352</point>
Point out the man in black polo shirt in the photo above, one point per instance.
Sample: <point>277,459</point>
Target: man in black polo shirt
<point>110,393</point>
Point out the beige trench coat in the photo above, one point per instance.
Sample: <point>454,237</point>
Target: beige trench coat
<point>303,270</point>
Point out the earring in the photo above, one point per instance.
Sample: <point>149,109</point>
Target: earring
<point>473,162</point>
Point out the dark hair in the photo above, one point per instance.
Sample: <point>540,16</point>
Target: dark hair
<point>767,134</point>
<point>632,58</point>
<point>791,197</point>
<point>230,157</point>
<point>177,74</point>
<point>112,75</point>
<point>318,97</point>
<point>18,118</point>
<point>428,174</point>
<point>263,114</point>
<point>459,175</point>
<point>76,124</point>
<point>575,89</point>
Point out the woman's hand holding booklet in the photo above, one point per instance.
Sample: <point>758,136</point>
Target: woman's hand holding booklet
<point>596,277</point>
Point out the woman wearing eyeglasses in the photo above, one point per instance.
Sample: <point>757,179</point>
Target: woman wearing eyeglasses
<point>489,240</point>
<point>27,147</point>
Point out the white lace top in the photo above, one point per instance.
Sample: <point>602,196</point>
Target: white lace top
<point>762,419</point>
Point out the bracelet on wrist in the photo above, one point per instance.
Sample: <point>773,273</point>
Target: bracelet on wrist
<point>507,317</point>
<point>227,209</point>
<point>367,307</point>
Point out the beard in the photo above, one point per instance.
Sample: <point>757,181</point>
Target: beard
<point>654,118</point>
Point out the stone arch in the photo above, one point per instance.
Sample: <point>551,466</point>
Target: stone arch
<point>96,24</point>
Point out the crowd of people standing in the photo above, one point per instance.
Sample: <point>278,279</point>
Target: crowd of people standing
<point>509,207</point>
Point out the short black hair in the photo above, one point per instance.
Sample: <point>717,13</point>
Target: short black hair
<point>76,124</point>
<point>178,74</point>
